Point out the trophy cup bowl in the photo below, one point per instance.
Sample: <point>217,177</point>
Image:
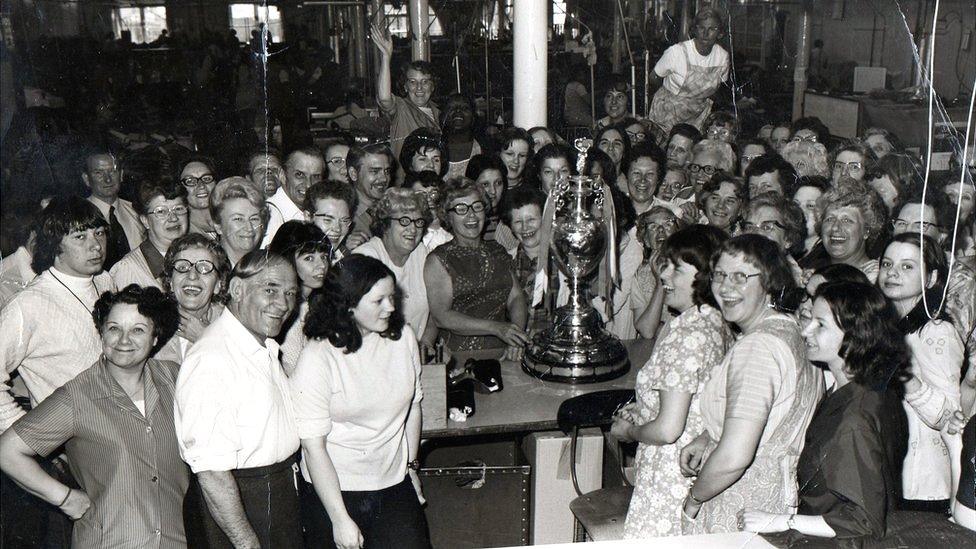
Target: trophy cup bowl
<point>577,348</point>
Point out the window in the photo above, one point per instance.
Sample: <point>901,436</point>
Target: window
<point>145,23</point>
<point>399,21</point>
<point>245,18</point>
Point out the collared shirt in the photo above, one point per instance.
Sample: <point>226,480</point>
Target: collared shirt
<point>127,462</point>
<point>405,117</point>
<point>127,216</point>
<point>233,406</point>
<point>48,336</point>
<point>281,209</point>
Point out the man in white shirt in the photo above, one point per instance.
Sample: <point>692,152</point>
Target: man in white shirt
<point>234,416</point>
<point>303,168</point>
<point>103,177</point>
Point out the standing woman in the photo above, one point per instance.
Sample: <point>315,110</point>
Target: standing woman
<point>162,210</point>
<point>357,406</point>
<point>490,172</point>
<point>666,416</point>
<point>932,395</point>
<point>759,400</point>
<point>850,462</point>
<point>240,215</point>
<point>309,249</point>
<point>690,72</point>
<point>461,133</point>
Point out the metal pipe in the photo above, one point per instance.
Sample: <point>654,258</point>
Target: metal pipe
<point>616,50</point>
<point>359,40</point>
<point>419,25</point>
<point>802,61</point>
<point>530,62</point>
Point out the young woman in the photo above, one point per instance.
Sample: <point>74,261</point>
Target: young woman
<point>722,199</point>
<point>853,450</point>
<point>666,415</point>
<point>198,175</point>
<point>906,273</point>
<point>357,405</point>
<point>515,150</point>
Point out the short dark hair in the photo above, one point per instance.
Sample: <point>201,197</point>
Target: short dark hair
<point>198,241</point>
<point>62,216</point>
<point>813,124</point>
<point>151,303</point>
<point>773,162</point>
<point>426,178</point>
<point>148,190</point>
<point>419,142</point>
<point>684,130</point>
<point>194,157</point>
<point>356,155</point>
<point>486,161</point>
<point>815,181</point>
<point>299,237</point>
<point>695,245</point>
<point>646,149</point>
<point>714,183</point>
<point>837,272</point>
<point>423,67</point>
<point>508,135</point>
<point>309,150</point>
<point>552,150</point>
<point>330,307</point>
<point>520,197</point>
<point>874,350</point>
<point>337,190</point>
<point>945,214</point>
<point>794,222</point>
<point>776,275</point>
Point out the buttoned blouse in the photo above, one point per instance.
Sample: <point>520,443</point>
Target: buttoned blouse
<point>128,463</point>
<point>233,406</point>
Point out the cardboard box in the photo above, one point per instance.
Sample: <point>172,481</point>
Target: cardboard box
<point>433,381</point>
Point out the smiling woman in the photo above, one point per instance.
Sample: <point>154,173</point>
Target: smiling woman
<point>240,215</point>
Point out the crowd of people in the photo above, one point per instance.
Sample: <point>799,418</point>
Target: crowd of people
<point>168,360</point>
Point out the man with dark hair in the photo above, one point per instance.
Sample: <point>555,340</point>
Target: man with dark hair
<point>771,173</point>
<point>934,217</point>
<point>234,418</point>
<point>371,170</point>
<point>103,177</point>
<point>303,168</point>
<point>264,169</point>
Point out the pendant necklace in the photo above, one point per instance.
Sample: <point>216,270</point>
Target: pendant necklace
<point>74,295</point>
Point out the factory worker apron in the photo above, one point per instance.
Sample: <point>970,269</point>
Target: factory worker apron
<point>691,105</point>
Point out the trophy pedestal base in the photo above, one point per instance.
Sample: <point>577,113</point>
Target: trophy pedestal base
<point>591,359</point>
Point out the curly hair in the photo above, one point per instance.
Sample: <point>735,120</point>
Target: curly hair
<point>721,148</point>
<point>148,190</point>
<point>396,202</point>
<point>696,245</point>
<point>646,150</point>
<point>336,190</point>
<point>295,238</point>
<point>510,135</point>
<point>714,183</point>
<point>856,194</point>
<point>198,241</point>
<point>330,307</point>
<point>808,159</point>
<point>237,187</point>
<point>62,216</point>
<point>207,161</point>
<point>873,348</point>
<point>419,142</point>
<point>794,222</point>
<point>775,273</point>
<point>151,303</point>
<point>455,188</point>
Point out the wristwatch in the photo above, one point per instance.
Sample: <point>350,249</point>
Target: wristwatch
<point>415,465</point>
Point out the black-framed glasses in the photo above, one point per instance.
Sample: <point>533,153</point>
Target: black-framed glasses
<point>847,166</point>
<point>462,208</point>
<point>162,212</point>
<point>202,266</point>
<point>736,278</point>
<point>190,181</point>
<point>765,227</point>
<point>707,170</point>
<point>405,221</point>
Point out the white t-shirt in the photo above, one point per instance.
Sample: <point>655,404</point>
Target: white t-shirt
<point>409,278</point>
<point>360,402</point>
<point>673,65</point>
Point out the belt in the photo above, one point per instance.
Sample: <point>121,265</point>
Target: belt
<point>264,470</point>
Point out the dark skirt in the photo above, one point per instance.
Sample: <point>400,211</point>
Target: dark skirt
<point>270,503</point>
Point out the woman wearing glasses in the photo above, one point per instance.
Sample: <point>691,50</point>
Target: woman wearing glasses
<point>474,296</point>
<point>780,220</point>
<point>330,205</point>
<point>400,219</point>
<point>240,215</point>
<point>707,157</point>
<point>195,273</point>
<point>162,210</point>
<point>759,400</point>
<point>197,174</point>
<point>851,160</point>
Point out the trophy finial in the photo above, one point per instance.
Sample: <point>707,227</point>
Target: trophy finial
<point>582,145</point>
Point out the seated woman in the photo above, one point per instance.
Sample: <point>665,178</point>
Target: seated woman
<point>473,295</point>
<point>115,422</point>
<point>647,295</point>
<point>723,198</point>
<point>489,171</point>
<point>240,215</point>
<point>400,219</point>
<point>759,400</point>
<point>198,175</point>
<point>932,394</point>
<point>853,221</point>
<point>357,399</point>
<point>162,210</point>
<point>311,254</point>
<point>666,415</point>
<point>852,454</point>
<point>195,273</point>
<point>331,205</point>
<point>521,211</point>
<point>780,220</point>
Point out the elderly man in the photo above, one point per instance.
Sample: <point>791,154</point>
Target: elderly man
<point>103,177</point>
<point>47,335</point>
<point>303,168</point>
<point>234,417</point>
<point>370,169</point>
<point>264,170</point>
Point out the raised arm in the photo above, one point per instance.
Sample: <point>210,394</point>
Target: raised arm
<point>384,43</point>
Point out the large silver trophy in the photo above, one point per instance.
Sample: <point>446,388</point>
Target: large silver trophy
<point>581,237</point>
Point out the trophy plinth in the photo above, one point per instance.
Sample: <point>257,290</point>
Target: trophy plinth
<point>577,348</point>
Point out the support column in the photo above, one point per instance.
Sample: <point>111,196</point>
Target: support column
<point>802,61</point>
<point>685,20</point>
<point>359,40</point>
<point>419,24</point>
<point>616,51</point>
<point>531,62</point>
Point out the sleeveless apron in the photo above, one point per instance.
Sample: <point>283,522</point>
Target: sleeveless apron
<point>691,105</point>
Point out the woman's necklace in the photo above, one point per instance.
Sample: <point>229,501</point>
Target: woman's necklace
<point>74,295</point>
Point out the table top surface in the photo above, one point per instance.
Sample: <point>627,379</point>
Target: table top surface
<point>528,404</point>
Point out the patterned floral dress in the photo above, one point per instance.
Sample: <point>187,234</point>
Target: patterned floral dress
<point>689,346</point>
<point>482,280</point>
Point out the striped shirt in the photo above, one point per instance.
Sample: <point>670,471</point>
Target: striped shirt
<point>128,463</point>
